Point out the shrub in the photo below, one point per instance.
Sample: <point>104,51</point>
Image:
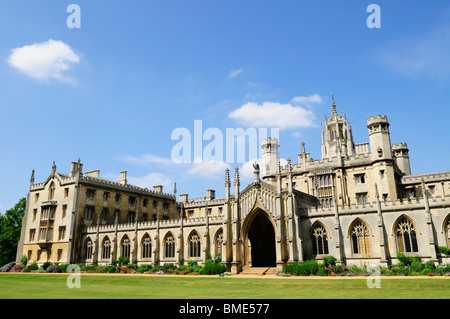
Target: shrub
<point>46,265</point>
<point>34,266</point>
<point>211,267</point>
<point>192,263</point>
<point>17,268</point>
<point>444,250</point>
<point>427,272</point>
<point>330,260</point>
<point>430,265</point>
<point>416,266</point>
<point>53,269</point>
<point>323,271</point>
<point>24,260</point>
<point>89,268</point>
<point>63,267</point>
<point>122,261</point>
<point>111,269</point>
<point>305,268</point>
<point>144,268</point>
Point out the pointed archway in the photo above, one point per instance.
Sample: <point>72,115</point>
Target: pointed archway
<point>259,240</point>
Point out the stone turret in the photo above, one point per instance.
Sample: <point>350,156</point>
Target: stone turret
<point>270,156</point>
<point>401,156</point>
<point>379,137</point>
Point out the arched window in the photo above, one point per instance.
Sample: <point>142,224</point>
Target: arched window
<point>194,245</point>
<point>146,247</point>
<point>360,238</point>
<point>448,232</point>
<point>89,249</point>
<point>106,248</point>
<point>319,238</point>
<point>219,242</point>
<point>51,191</point>
<point>406,236</point>
<point>169,245</point>
<point>125,247</point>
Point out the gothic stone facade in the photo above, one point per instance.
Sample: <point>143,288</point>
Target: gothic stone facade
<point>359,203</point>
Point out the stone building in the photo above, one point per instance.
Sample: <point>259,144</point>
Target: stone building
<point>359,203</point>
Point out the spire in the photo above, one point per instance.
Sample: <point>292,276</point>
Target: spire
<point>175,189</point>
<point>53,168</point>
<point>303,148</point>
<point>333,105</point>
<point>236,177</point>
<point>32,177</point>
<point>227,177</point>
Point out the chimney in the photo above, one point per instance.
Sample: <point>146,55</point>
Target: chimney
<point>210,194</point>
<point>183,198</point>
<point>77,168</point>
<point>158,188</point>
<point>123,178</point>
<point>95,173</point>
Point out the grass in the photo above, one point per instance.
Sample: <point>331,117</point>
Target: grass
<point>45,286</point>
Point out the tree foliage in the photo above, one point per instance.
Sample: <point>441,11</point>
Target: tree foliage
<point>10,228</point>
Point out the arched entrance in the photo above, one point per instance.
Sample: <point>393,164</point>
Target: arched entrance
<point>260,234</point>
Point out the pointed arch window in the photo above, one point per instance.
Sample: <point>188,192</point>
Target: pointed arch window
<point>89,249</point>
<point>146,247</point>
<point>360,238</point>
<point>219,242</point>
<point>125,247</point>
<point>51,191</point>
<point>406,236</point>
<point>106,248</point>
<point>448,232</point>
<point>194,245</point>
<point>169,246</point>
<point>319,239</point>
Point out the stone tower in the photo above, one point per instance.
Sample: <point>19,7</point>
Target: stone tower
<point>270,156</point>
<point>337,138</point>
<point>379,138</point>
<point>401,155</point>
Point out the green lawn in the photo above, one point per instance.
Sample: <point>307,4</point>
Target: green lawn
<point>42,286</point>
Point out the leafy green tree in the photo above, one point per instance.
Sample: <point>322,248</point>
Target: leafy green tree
<point>10,228</point>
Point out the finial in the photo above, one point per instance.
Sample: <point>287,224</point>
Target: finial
<point>236,177</point>
<point>303,147</point>
<point>227,177</point>
<point>333,105</point>
<point>175,188</point>
<point>53,168</point>
<point>32,177</point>
<point>256,172</point>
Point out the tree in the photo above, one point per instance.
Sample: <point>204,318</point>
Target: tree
<point>10,228</point>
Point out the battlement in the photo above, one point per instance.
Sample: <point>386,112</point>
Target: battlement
<point>377,119</point>
<point>270,140</point>
<point>372,207</point>
<point>398,146</point>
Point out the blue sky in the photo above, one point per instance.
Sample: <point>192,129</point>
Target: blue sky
<point>113,91</point>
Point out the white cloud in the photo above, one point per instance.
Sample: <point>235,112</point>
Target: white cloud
<point>273,114</point>
<point>234,73</point>
<point>307,100</point>
<point>211,169</point>
<point>45,61</point>
<point>152,179</point>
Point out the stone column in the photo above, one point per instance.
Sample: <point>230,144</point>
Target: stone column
<point>429,224</point>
